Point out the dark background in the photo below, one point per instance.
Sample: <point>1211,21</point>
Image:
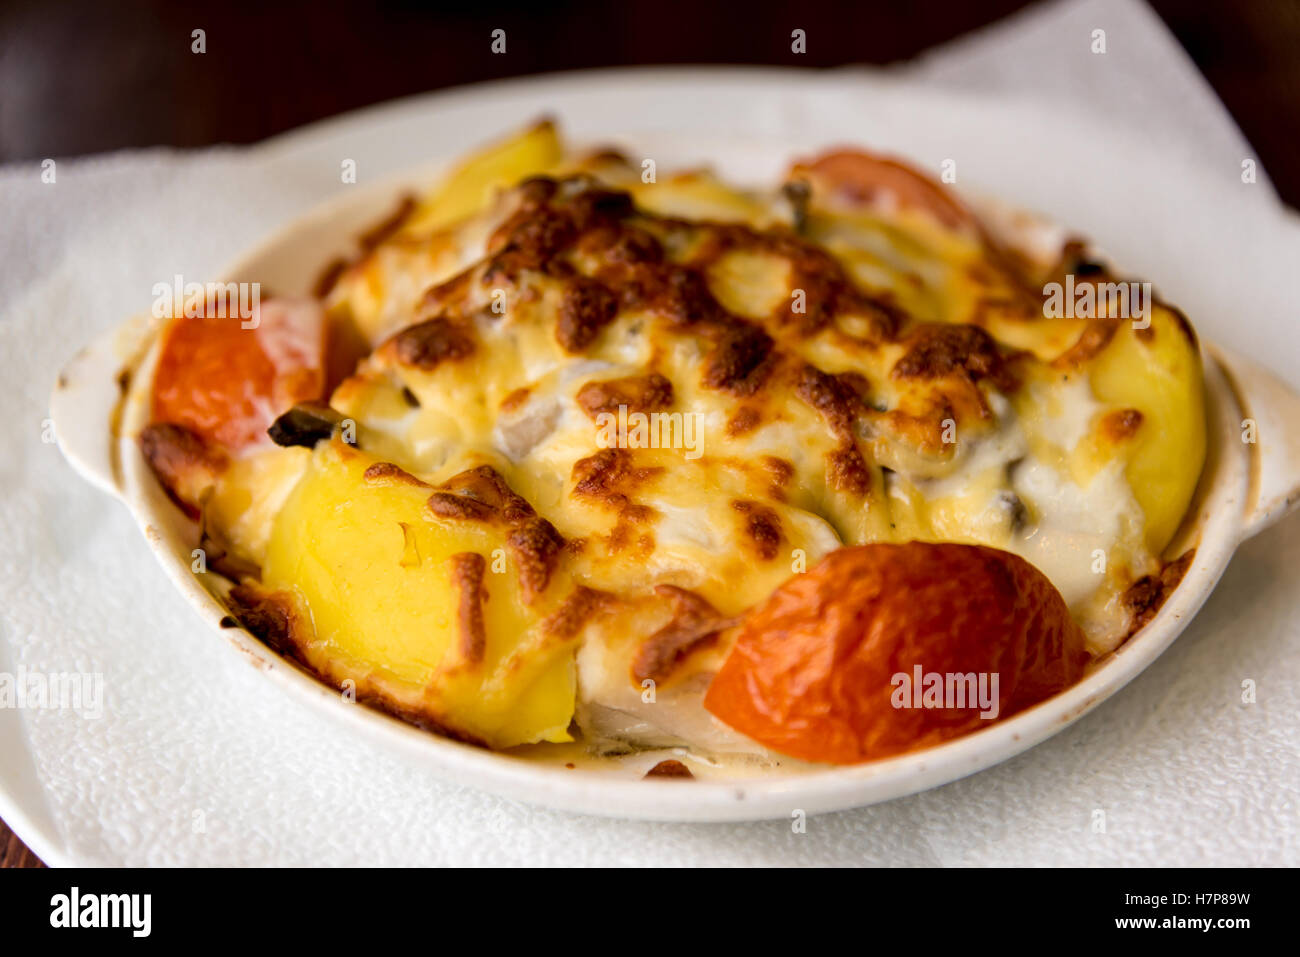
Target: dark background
<point>84,77</point>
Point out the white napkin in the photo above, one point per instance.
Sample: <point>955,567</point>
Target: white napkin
<point>198,759</point>
<point>1144,80</point>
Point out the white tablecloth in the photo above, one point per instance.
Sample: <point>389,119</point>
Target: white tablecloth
<point>199,760</point>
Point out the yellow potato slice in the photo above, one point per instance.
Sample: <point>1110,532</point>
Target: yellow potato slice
<point>1156,371</point>
<point>374,573</point>
<point>471,186</point>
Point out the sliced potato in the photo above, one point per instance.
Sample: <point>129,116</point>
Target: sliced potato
<point>385,586</point>
<point>699,194</point>
<point>1157,373</point>
<point>470,187</point>
<point>246,497</point>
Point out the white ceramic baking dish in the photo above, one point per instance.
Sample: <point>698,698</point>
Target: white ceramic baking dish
<point>1245,487</point>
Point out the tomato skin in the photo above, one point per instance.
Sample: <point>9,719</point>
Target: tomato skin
<point>811,673</point>
<point>226,383</point>
<point>859,177</point>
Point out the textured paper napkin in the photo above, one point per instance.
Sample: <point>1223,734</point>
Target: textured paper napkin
<point>198,759</point>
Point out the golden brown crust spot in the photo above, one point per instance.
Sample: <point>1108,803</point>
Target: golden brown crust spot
<point>597,207</point>
<point>743,420</point>
<point>545,226</point>
<point>781,469</point>
<point>1146,595</point>
<point>847,471</point>
<point>833,396</point>
<point>467,571</point>
<point>181,460</point>
<point>645,393</point>
<point>171,449</point>
<point>388,474</point>
<point>609,477</point>
<point>627,535</point>
<point>670,769</point>
<point>536,547</point>
<point>623,244</point>
<point>516,399</point>
<point>449,296</point>
<point>925,431</point>
<point>586,307</point>
<point>461,507</point>
<point>270,617</point>
<point>1096,336</point>
<point>939,350</point>
<point>828,290</point>
<point>482,494</point>
<point>780,472</point>
<point>575,611</point>
<point>528,240</point>
<point>695,623</point>
<point>763,527</point>
<point>678,293</point>
<point>1120,424</point>
<point>741,359</point>
<point>427,344</point>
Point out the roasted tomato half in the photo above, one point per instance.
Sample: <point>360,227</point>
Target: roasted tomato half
<point>881,649</point>
<point>226,379</point>
<point>859,177</point>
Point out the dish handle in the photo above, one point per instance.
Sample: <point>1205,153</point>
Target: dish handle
<point>1270,424</point>
<point>84,405</point>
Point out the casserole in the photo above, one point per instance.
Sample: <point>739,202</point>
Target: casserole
<point>1228,481</point>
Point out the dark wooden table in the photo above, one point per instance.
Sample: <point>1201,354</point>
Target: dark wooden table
<point>13,852</point>
<point>87,76</point>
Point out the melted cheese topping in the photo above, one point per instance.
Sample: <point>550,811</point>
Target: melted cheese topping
<point>698,398</point>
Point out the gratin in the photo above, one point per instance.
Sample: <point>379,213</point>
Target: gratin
<point>569,450</point>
